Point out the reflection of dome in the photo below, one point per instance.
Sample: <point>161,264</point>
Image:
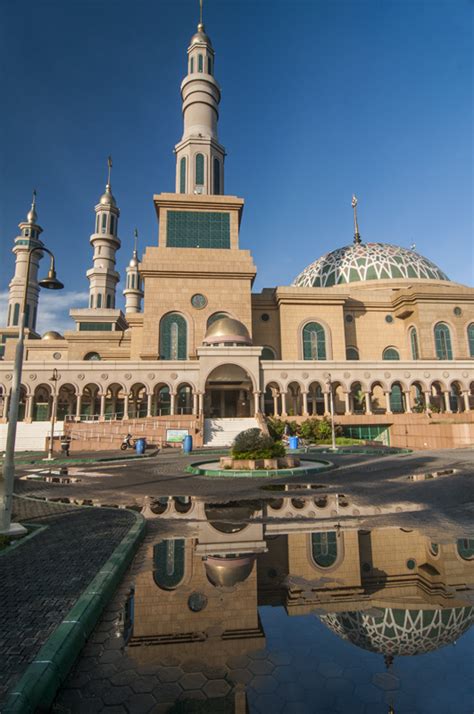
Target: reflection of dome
<point>52,335</point>
<point>227,329</point>
<point>401,632</point>
<point>229,517</point>
<point>226,572</point>
<point>367,261</point>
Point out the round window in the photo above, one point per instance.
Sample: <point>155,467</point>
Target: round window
<point>411,564</point>
<point>457,311</point>
<point>56,355</point>
<point>388,318</point>
<point>199,301</point>
<point>197,602</point>
<point>349,318</point>
<point>265,317</point>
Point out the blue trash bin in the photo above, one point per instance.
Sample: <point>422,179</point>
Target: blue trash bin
<point>293,442</point>
<point>188,444</point>
<point>140,447</point>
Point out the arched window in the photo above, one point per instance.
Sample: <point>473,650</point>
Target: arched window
<point>415,353</point>
<point>163,401</point>
<point>216,316</point>
<point>104,222</point>
<point>16,313</point>
<point>390,353</point>
<point>352,353</point>
<point>200,63</point>
<point>9,315</point>
<point>92,357</point>
<point>173,337</point>
<point>268,353</point>
<point>199,170</point>
<point>324,548</point>
<point>314,341</point>
<point>209,65</point>
<point>109,300</point>
<point>182,175</point>
<point>35,313</point>
<point>442,337</point>
<point>191,65</point>
<point>97,222</point>
<point>465,547</point>
<point>99,300</point>
<point>396,399</point>
<point>185,399</point>
<point>168,563</point>
<point>113,224</point>
<point>217,177</point>
<point>470,339</point>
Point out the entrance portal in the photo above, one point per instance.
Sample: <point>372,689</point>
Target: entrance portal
<point>228,393</point>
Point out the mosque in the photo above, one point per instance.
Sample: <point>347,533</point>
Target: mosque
<point>375,332</point>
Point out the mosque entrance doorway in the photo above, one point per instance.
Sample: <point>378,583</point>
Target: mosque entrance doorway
<point>228,393</point>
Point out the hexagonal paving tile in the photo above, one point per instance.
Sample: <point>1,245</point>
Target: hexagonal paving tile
<point>124,678</point>
<point>261,666</point>
<point>339,685</point>
<point>240,676</point>
<point>141,685</point>
<point>279,658</point>
<point>192,694</point>
<point>141,703</point>
<point>193,680</point>
<point>386,681</point>
<point>259,654</point>
<point>359,675</point>
<point>215,672</point>
<point>264,684</point>
<point>330,669</point>
<point>216,688</point>
<point>368,693</point>
<point>266,703</point>
<point>192,665</point>
<point>115,695</point>
<point>169,674</point>
<point>166,693</point>
<point>237,662</point>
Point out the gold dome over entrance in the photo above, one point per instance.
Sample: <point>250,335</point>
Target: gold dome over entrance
<point>227,330</point>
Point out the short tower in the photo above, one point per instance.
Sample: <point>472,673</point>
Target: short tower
<point>199,155</point>
<point>133,291</point>
<point>28,238</point>
<point>103,277</point>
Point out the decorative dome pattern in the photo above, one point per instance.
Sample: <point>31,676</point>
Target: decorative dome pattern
<point>367,261</point>
<point>401,632</point>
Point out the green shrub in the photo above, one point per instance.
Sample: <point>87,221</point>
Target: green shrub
<point>252,444</point>
<point>276,427</point>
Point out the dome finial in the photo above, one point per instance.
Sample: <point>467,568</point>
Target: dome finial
<point>109,171</point>
<point>107,198</point>
<point>200,25</point>
<point>32,216</point>
<point>135,239</point>
<point>356,225</point>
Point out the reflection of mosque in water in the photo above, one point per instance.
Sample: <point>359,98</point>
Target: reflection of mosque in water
<point>387,590</point>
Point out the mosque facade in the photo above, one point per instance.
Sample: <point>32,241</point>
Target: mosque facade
<point>374,332</point>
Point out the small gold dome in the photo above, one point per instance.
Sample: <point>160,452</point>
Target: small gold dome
<point>226,572</point>
<point>52,335</point>
<point>107,198</point>
<point>200,36</point>
<point>227,329</point>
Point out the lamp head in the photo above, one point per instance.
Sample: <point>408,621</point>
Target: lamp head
<point>50,281</point>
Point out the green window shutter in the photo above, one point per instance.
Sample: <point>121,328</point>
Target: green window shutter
<point>173,337</point>
<point>396,399</point>
<point>268,353</point>
<point>390,354</point>
<point>314,342</point>
<point>443,341</point>
<point>352,354</point>
<point>95,327</point>
<point>182,175</point>
<point>414,344</point>
<point>16,314</point>
<point>200,63</point>
<point>470,338</point>
<point>197,229</point>
<point>191,65</point>
<point>199,170</point>
<point>217,177</point>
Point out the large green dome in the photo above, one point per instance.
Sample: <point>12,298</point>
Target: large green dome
<point>367,261</point>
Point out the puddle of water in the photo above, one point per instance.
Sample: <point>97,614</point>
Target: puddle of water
<point>235,606</point>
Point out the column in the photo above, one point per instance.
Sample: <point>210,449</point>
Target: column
<point>173,403</point>
<point>262,402</point>
<point>29,407</point>
<point>327,408</point>
<point>102,407</point>
<point>347,398</point>
<point>256,401</point>
<point>275,405</point>
<point>407,401</point>
<point>466,401</point>
<point>283,404</point>
<point>305,404</point>
<point>368,404</point>
<point>201,403</point>
<point>388,409</point>
<point>427,400</point>
<point>125,406</point>
<point>195,404</point>
<point>78,406</point>
<point>447,404</point>
<point>149,403</point>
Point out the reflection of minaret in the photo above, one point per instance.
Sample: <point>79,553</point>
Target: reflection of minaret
<point>199,156</point>
<point>103,277</point>
<point>133,286</point>
<point>28,238</point>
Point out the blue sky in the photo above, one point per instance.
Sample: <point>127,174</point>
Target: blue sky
<point>320,99</point>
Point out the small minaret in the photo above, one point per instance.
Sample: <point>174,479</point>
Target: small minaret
<point>103,277</point>
<point>199,156</point>
<point>28,238</point>
<point>133,291</point>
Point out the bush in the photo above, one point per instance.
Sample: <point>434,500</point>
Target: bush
<point>318,431</point>
<point>252,444</point>
<point>276,427</point>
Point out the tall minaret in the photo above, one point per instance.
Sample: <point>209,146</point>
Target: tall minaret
<point>133,291</point>
<point>28,238</point>
<point>199,156</point>
<point>103,277</point>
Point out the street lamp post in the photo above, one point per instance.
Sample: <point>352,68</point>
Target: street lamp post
<point>331,407</point>
<point>7,482</point>
<point>54,380</point>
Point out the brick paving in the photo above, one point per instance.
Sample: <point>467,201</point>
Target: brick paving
<point>42,578</point>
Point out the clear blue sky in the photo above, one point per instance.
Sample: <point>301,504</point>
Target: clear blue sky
<point>320,99</point>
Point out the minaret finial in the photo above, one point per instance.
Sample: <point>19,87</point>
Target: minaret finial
<point>200,13</point>
<point>356,225</point>
<point>32,215</point>
<point>135,234</point>
<point>109,170</point>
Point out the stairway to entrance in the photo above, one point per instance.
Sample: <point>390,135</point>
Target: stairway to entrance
<point>222,432</point>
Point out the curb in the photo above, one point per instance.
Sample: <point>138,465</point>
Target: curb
<point>36,689</point>
<point>71,460</point>
<point>195,469</point>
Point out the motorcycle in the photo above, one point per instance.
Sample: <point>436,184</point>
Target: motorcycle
<point>128,443</point>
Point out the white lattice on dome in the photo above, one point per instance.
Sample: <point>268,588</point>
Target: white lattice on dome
<point>401,632</point>
<point>367,261</point>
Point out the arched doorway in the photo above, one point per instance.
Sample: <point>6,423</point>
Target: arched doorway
<point>228,393</point>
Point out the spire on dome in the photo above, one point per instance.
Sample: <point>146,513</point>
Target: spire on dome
<point>32,216</point>
<point>357,238</point>
<point>107,198</point>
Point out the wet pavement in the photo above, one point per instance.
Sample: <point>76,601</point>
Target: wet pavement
<point>262,605</point>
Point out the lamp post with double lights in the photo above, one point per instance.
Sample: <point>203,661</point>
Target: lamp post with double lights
<point>331,407</point>
<point>6,483</point>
